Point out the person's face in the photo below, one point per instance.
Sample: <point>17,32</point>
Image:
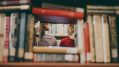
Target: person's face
<point>46,26</point>
<point>70,31</point>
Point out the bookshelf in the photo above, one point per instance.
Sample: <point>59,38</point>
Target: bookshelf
<point>57,65</point>
<point>52,64</point>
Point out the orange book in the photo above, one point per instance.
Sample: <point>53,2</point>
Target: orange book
<point>86,42</point>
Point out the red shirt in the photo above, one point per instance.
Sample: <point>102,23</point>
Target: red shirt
<point>67,42</point>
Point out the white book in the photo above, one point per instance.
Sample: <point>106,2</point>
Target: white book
<point>98,38</point>
<point>12,37</point>
<point>80,40</point>
<point>106,42</point>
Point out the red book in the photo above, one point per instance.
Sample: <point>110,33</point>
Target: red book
<point>54,12</point>
<point>87,42</point>
<point>6,44</point>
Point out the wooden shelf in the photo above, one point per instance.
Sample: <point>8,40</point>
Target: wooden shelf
<point>57,65</point>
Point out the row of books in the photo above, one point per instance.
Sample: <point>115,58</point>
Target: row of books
<point>14,35</point>
<point>103,27</point>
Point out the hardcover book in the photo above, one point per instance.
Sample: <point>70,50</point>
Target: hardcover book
<point>29,38</point>
<point>22,37</point>
<point>6,41</point>
<point>2,30</point>
<point>13,36</point>
<point>113,39</point>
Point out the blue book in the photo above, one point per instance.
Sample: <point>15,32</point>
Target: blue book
<point>22,37</point>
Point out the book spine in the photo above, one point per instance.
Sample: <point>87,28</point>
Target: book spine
<point>31,32</point>
<point>17,32</point>
<point>87,42</point>
<point>1,35</point>
<point>98,38</point>
<point>117,23</point>
<point>22,37</point>
<point>65,13</point>
<point>58,50</point>
<point>91,35</point>
<point>28,57</point>
<point>56,6</point>
<point>29,38</point>
<point>113,39</point>
<point>105,36</point>
<point>2,30</point>
<point>6,41</point>
<point>19,7</point>
<point>80,38</point>
<point>13,37</point>
<point>71,58</point>
<point>14,2</point>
